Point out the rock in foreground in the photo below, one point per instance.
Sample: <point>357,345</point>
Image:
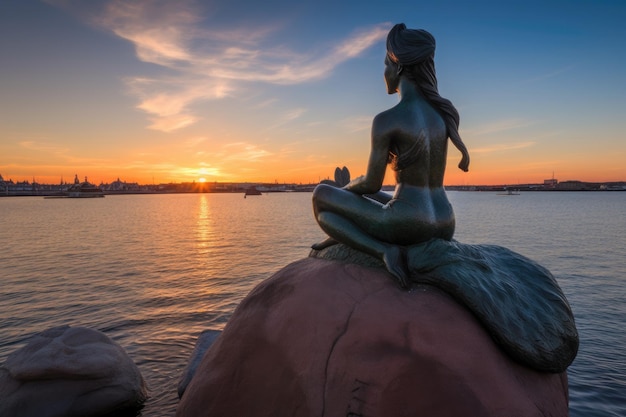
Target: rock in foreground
<point>69,371</point>
<point>326,338</point>
<point>205,340</point>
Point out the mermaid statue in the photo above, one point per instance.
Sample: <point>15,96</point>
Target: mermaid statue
<point>410,233</point>
<point>413,137</point>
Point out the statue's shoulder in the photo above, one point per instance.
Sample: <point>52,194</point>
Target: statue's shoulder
<point>386,121</point>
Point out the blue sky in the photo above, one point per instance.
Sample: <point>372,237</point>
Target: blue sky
<point>285,91</point>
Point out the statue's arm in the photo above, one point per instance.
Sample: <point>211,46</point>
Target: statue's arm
<point>372,181</point>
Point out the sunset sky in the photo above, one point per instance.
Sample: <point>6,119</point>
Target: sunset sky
<point>230,90</point>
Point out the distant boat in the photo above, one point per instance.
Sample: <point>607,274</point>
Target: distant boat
<point>509,192</point>
<point>84,189</point>
<point>251,191</point>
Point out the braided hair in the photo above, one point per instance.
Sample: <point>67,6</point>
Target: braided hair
<point>414,49</point>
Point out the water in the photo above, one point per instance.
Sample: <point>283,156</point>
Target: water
<point>153,271</point>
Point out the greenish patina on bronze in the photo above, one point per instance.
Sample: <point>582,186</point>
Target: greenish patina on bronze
<point>413,137</point>
<point>410,232</point>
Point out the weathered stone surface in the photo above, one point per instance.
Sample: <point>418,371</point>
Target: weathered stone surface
<point>69,371</point>
<point>517,300</point>
<point>327,338</point>
<point>205,340</point>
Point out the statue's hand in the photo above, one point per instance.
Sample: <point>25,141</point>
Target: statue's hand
<point>355,181</point>
<point>342,178</point>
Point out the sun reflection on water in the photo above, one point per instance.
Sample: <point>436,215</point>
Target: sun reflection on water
<point>203,225</point>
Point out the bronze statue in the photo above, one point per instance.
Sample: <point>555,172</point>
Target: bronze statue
<point>413,137</point>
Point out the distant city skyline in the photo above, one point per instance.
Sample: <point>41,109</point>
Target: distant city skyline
<point>549,182</point>
<point>153,91</point>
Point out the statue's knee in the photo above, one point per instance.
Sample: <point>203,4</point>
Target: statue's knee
<point>321,193</point>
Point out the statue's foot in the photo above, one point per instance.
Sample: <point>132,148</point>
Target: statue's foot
<point>395,261</point>
<point>324,244</point>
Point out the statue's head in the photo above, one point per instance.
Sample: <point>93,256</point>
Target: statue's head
<point>413,49</point>
<point>409,46</point>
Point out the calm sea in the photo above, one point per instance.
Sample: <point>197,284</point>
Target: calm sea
<point>153,271</point>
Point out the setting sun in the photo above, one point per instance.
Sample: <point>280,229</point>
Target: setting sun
<point>202,180</point>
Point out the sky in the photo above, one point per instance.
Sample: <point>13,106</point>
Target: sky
<point>158,91</point>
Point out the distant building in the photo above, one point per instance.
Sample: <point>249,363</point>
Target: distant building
<point>119,185</point>
<point>4,187</point>
<point>551,183</point>
<point>573,186</point>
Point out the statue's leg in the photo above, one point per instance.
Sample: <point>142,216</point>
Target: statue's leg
<point>347,232</point>
<point>322,195</point>
<point>358,222</point>
<point>347,203</point>
<point>381,196</point>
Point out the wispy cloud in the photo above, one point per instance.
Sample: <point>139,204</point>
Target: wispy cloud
<point>551,74</point>
<point>39,146</point>
<point>42,148</point>
<point>499,128</point>
<point>242,152</point>
<point>195,141</point>
<point>500,147</point>
<point>358,123</point>
<point>496,127</point>
<point>286,117</point>
<point>206,63</point>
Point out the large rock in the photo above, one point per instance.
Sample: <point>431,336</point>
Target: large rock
<point>518,301</point>
<point>329,338</point>
<point>69,371</point>
<point>205,340</point>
